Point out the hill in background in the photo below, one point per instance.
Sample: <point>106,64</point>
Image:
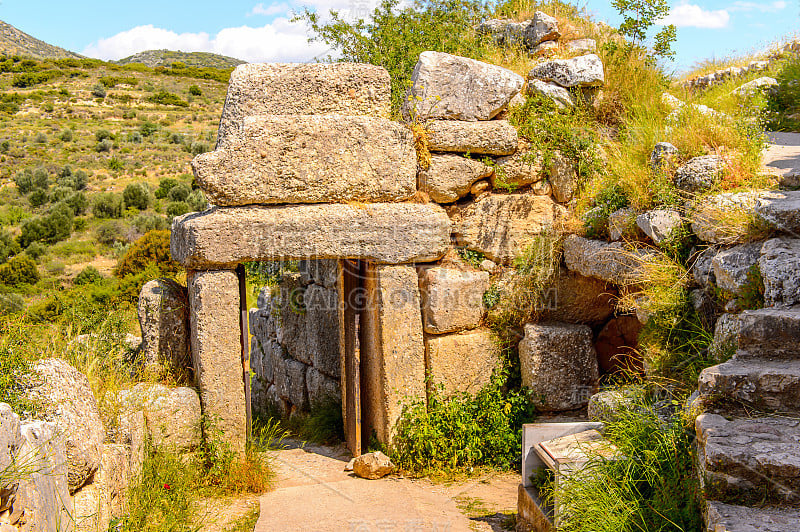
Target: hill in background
<point>165,58</point>
<point>16,42</point>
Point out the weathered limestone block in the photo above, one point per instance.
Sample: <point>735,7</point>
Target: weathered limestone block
<point>449,177</point>
<point>292,332</point>
<point>504,32</point>
<point>732,267</point>
<point>44,499</point>
<point>759,85</point>
<point>622,223</point>
<point>217,351</point>
<point>521,169</point>
<point>372,466</point>
<point>771,385</point>
<point>450,87</point>
<point>699,174</point>
<point>321,387</point>
<point>559,364</point>
<point>495,137</point>
<point>461,362</point>
<point>721,516</point>
<point>303,89</point>
<point>582,71</point>
<point>749,458</point>
<point>164,320</point>
<point>290,380</point>
<point>501,226</point>
<point>582,46</point>
<point>95,504</point>
<point>702,269</point>
<point>393,333</point>
<point>322,325</point>
<point>768,333</point>
<point>541,28</point>
<point>452,300</point>
<point>310,159</point>
<point>68,400</point>
<point>321,272</point>
<point>663,155</point>
<point>563,178</point>
<point>726,336</point>
<point>172,414</point>
<point>593,258</point>
<point>560,96</point>
<point>383,233</point>
<point>608,405</point>
<point>778,264</point>
<point>781,209</point>
<point>659,224</point>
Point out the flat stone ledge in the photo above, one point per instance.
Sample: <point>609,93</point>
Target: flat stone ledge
<point>304,89</point>
<point>385,233</point>
<point>730,518</point>
<point>493,137</point>
<point>282,159</point>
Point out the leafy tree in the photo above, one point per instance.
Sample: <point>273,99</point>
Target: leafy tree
<point>78,203</point>
<point>393,37</point>
<point>136,195</point>
<point>639,16</point>
<point>164,186</point>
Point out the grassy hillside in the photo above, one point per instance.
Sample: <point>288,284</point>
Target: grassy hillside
<point>165,58</point>
<point>16,42</point>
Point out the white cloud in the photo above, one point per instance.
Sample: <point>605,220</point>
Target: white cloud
<point>280,40</point>
<point>685,15</point>
<point>270,10</point>
<point>764,7</point>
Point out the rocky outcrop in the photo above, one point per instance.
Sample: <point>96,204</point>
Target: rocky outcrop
<point>279,159</point>
<point>558,94</point>
<point>583,71</point>
<point>450,177</point>
<point>781,209</point>
<point>612,262</point>
<point>521,169</point>
<point>725,218</point>
<point>720,76</point>
<point>721,516</point>
<point>69,403</point>
<point>384,233</point>
<point>445,86</point>
<point>494,137</point>
<point>559,363</point>
<point>662,156</point>
<point>163,311</point>
<point>756,86</point>
<point>303,89</point>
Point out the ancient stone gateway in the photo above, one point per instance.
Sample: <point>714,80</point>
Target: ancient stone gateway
<point>291,180</point>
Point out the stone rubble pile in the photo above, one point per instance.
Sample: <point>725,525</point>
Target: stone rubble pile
<point>720,76</point>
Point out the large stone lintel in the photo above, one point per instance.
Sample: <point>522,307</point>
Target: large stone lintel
<point>281,159</point>
<point>393,233</point>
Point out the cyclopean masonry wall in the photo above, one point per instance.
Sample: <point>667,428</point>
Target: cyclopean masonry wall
<point>308,167</point>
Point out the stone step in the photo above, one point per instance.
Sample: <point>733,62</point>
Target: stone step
<point>782,210</point>
<point>769,333</point>
<point>771,385</point>
<point>749,459</point>
<point>721,517</point>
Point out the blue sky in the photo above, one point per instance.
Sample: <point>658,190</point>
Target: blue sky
<point>262,31</point>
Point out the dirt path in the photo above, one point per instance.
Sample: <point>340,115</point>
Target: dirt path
<point>313,493</point>
<point>782,157</point>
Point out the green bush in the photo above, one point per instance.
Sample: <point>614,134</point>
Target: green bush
<point>78,203</point>
<point>103,134</point>
<point>88,275</point>
<point>107,205</point>
<point>196,148</point>
<point>135,137</point>
<point>179,192</point>
<point>40,138</point>
<point>194,90</point>
<point>35,250</point>
<point>148,128</point>
<point>28,180</point>
<point>38,197</point>
<point>150,249</point>
<point>784,101</point>
<point>111,232</point>
<point>98,91</point>
<point>31,79</point>
<point>105,146</point>
<point>18,271</point>
<point>10,303</point>
<point>394,36</point>
<point>197,201</point>
<point>61,193</point>
<point>163,97</point>
<point>175,138</point>
<point>463,431</point>
<point>147,221</point>
<point>75,180</point>
<point>178,208</point>
<point>53,227</point>
<point>8,246</point>
<point>137,196</point>
<point>164,186</point>
<point>14,366</point>
<point>115,164</point>
<point>66,135</point>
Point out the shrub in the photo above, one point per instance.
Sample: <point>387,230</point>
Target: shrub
<point>196,148</point>
<point>35,250</point>
<point>66,135</point>
<point>163,97</point>
<point>784,102</point>
<point>8,246</point>
<point>88,275</point>
<point>103,134</point>
<point>115,164</point>
<point>24,181</point>
<point>105,146</point>
<point>19,270</point>
<point>10,303</point>
<point>40,138</point>
<point>148,128</point>
<point>146,221</point>
<point>194,90</point>
<point>111,232</point>
<point>150,249</point>
<point>176,138</point>
<point>30,79</point>
<point>137,196</point>
<point>107,205</point>
<point>75,180</point>
<point>197,201</point>
<point>38,197</point>
<point>178,208</point>
<point>55,226</point>
<point>78,203</point>
<point>164,186</point>
<point>99,91</point>
<point>179,192</point>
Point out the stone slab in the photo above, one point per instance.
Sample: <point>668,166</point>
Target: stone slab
<point>721,517</point>
<point>461,362</point>
<point>769,333</point>
<point>781,158</point>
<point>304,89</point>
<point>535,433</point>
<point>384,233</point>
<point>277,159</point>
<point>452,300</point>
<point>772,385</point>
<point>612,262</point>
<point>450,177</point>
<point>217,351</point>
<point>778,264</point>
<point>781,210</point>
<point>494,137</point>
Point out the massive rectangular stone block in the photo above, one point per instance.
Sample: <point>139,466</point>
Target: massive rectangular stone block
<point>217,350</point>
<point>393,233</point>
<point>461,362</point>
<point>452,300</point>
<point>304,89</point>
<point>392,349</point>
<point>310,159</point>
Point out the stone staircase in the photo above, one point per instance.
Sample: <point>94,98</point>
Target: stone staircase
<point>749,463</point>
